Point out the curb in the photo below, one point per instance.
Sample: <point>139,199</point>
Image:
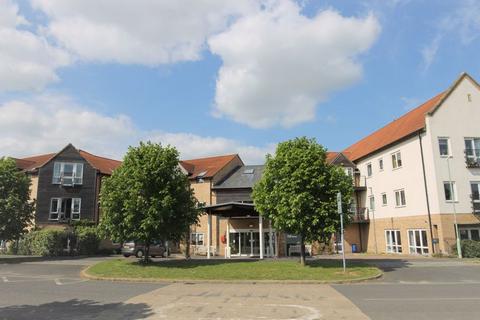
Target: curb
<point>84,274</point>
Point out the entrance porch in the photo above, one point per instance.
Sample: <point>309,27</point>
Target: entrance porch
<point>243,232</point>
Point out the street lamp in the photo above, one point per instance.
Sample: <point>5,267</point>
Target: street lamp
<point>457,235</point>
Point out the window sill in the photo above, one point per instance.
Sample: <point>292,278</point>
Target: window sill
<point>451,201</point>
<point>400,206</point>
<point>393,169</point>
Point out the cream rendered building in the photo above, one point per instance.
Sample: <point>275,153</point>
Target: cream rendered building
<point>421,169</point>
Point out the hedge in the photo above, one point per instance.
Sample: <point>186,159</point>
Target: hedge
<point>53,242</point>
<point>470,248</point>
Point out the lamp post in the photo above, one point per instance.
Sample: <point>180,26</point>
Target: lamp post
<point>340,211</point>
<point>457,234</point>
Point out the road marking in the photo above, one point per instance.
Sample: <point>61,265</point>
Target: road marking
<point>5,279</point>
<point>424,299</point>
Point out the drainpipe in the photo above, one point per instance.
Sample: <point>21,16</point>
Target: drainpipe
<point>426,192</point>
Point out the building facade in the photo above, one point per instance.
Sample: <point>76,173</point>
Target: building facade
<point>420,170</point>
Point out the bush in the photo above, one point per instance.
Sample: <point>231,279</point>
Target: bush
<point>87,240</point>
<point>470,248</point>
<point>47,242</point>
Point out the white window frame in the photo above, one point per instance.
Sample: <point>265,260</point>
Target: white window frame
<point>349,171</point>
<point>397,161</point>
<point>75,215</point>
<point>384,199</point>
<point>381,164</point>
<point>449,153</point>
<point>392,243</point>
<point>453,191</point>
<point>58,176</point>
<point>397,203</point>
<point>475,151</point>
<point>412,247</point>
<point>195,236</point>
<point>472,195</point>
<point>369,169</point>
<point>371,203</point>
<point>59,204</point>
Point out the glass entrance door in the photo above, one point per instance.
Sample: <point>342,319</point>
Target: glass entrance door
<point>247,243</point>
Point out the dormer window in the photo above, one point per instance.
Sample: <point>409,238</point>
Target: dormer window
<point>67,173</point>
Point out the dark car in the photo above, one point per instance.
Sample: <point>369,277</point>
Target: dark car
<point>137,249</point>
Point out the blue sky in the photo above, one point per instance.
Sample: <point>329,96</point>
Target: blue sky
<point>224,77</point>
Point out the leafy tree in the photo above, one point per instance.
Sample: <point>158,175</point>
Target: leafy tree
<point>16,209</point>
<point>298,191</point>
<point>147,198</point>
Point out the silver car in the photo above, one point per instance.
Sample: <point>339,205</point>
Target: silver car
<point>137,249</point>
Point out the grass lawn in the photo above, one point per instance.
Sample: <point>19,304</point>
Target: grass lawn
<point>325,270</point>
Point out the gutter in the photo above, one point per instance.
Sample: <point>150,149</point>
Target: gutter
<point>426,192</point>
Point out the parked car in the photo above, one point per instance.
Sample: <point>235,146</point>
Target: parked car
<point>131,248</point>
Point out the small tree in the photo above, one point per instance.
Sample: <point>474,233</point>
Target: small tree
<point>16,209</point>
<point>147,198</point>
<point>298,191</point>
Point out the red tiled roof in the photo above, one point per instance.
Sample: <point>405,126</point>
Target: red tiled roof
<point>104,165</point>
<point>331,156</point>
<point>210,165</point>
<point>402,127</point>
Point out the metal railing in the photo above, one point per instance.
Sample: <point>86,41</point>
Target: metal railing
<point>359,215</point>
<point>360,181</point>
<point>472,158</point>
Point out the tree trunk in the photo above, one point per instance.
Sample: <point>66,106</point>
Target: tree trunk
<point>187,244</point>
<point>147,252</point>
<point>302,251</point>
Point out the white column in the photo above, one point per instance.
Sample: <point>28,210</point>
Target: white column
<point>209,234</point>
<point>227,251</point>
<point>260,231</point>
<point>270,236</point>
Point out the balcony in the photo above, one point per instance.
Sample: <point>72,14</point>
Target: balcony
<point>359,183</point>
<point>359,215</point>
<point>472,158</point>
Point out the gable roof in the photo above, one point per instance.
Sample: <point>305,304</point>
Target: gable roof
<point>331,156</point>
<point>207,167</point>
<point>408,124</point>
<point>104,165</point>
<point>243,177</point>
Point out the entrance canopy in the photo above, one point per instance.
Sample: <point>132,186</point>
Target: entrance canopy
<point>232,210</point>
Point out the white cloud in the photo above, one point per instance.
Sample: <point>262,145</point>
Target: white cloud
<point>462,23</point>
<point>278,65</point>
<point>138,32</point>
<point>27,60</point>
<point>47,123</point>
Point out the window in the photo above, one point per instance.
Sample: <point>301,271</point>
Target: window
<point>450,191</point>
<point>469,233</point>
<point>372,203</point>
<point>380,164</point>
<point>349,171</point>
<point>417,241</point>
<point>67,174</point>
<point>384,199</point>
<point>400,200</point>
<point>393,240</point>
<point>54,208</point>
<point>475,186</point>
<point>396,160</point>
<point>369,170</point>
<point>472,148</point>
<point>444,146</point>
<point>76,205</point>
<point>65,208</point>
<point>196,239</point>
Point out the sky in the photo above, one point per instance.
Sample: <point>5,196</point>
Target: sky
<point>214,77</point>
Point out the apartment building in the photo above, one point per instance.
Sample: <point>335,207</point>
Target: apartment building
<point>421,169</point>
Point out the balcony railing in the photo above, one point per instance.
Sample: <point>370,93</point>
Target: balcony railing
<point>359,215</point>
<point>360,181</point>
<point>472,158</point>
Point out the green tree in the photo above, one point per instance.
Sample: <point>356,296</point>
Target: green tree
<point>147,198</point>
<point>16,209</point>
<point>298,191</point>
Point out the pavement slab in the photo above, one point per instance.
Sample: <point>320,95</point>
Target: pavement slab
<point>243,301</point>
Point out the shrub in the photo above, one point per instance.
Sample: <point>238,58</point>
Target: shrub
<point>87,240</point>
<point>46,242</point>
<point>470,248</point>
